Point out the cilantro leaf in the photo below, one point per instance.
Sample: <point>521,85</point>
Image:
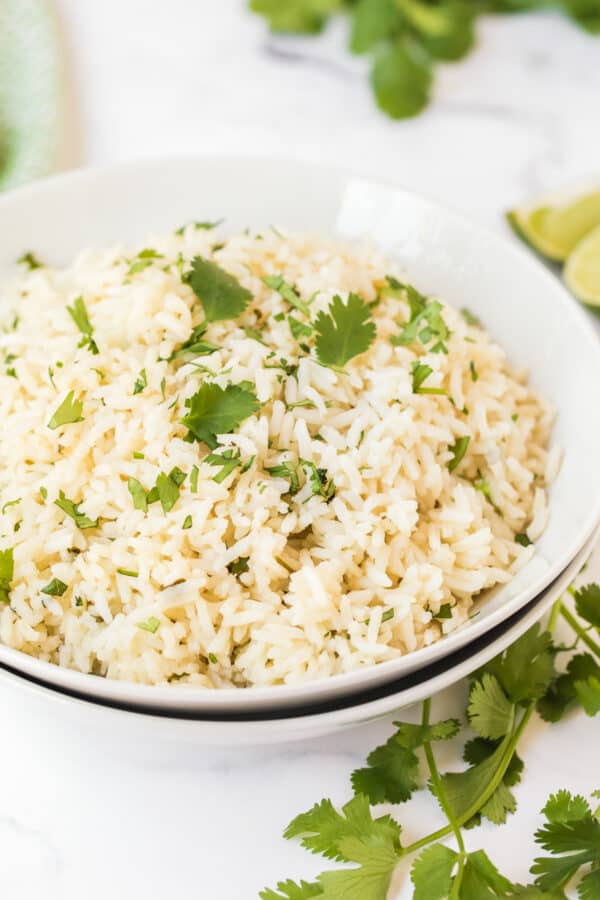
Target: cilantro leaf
<point>290,890</point>
<point>445,30</point>
<point>143,259</point>
<point>221,295</point>
<point>373,22</point>
<point>562,691</point>
<point>458,448</point>
<point>138,494</point>
<point>67,413</point>
<point>214,410</point>
<point>279,284</point>
<point>302,16</point>
<point>426,313</point>
<point>502,800</point>
<point>319,482</point>
<point>239,565</point>
<point>323,830</point>
<point>72,509</point>
<point>7,571</point>
<point>371,881</point>
<point>572,835</point>
<point>56,588</point>
<point>587,604</point>
<point>298,328</point>
<point>79,314</point>
<point>344,331</point>
<point>228,461</point>
<point>431,872</point>
<point>167,490</point>
<point>288,470</point>
<point>151,625</point>
<point>490,712</point>
<point>588,693</point>
<point>401,78</point>
<point>391,775</point>
<point>420,373</point>
<point>525,669</point>
<point>481,879</point>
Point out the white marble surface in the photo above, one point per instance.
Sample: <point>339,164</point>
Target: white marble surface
<point>80,817</point>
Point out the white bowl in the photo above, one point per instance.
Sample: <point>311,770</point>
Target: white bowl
<point>132,729</point>
<point>521,303</point>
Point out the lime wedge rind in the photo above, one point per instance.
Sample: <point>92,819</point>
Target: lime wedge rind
<point>582,271</point>
<point>555,227</point>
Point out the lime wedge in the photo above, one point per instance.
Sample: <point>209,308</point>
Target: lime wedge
<point>555,228</point>
<point>582,271</point>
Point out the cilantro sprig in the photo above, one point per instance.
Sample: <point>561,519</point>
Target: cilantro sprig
<point>503,697</point>
<point>7,571</point>
<point>68,413</point>
<point>214,410</point>
<point>79,314</point>
<point>220,293</point>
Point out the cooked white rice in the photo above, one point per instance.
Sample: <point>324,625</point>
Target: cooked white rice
<point>331,585</point>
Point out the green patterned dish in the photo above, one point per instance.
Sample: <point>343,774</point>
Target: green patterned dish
<point>31,94</point>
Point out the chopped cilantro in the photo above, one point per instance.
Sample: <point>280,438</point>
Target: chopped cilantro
<point>79,314</point>
<point>344,331</point>
<point>319,482</point>
<point>309,404</point>
<point>239,565</point>
<point>138,455</point>
<point>388,614</point>
<point>51,377</point>
<point>287,470</point>
<point>177,476</point>
<point>279,317</point>
<point>522,539</point>
<point>138,494</point>
<point>72,509</point>
<point>30,261</point>
<point>299,329</point>
<point>212,658</point>
<point>459,448</point>
<point>194,479</point>
<point>444,612</point>
<point>187,523</point>
<point>168,492</point>
<point>515,417</point>
<point>163,384</point>
<point>143,259</point>
<point>200,226</point>
<point>221,295</point>
<point>228,461</point>
<point>425,323</point>
<point>254,334</point>
<point>214,410</point>
<point>7,571</point>
<point>279,284</point>
<point>195,344</point>
<point>67,413</point>
<point>10,503</point>
<point>151,625</point>
<point>420,373</point>
<point>44,492</point>
<point>56,588</point>
<point>141,382</point>
<point>130,573</point>
<point>469,317</point>
<point>474,375</point>
<point>247,465</point>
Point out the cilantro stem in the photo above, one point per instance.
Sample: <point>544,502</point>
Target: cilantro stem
<point>439,790</point>
<point>579,630</point>
<point>486,794</point>
<point>554,617</point>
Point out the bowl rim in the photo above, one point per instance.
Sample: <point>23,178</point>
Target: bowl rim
<point>347,683</point>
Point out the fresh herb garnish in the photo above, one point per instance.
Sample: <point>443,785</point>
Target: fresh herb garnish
<point>138,494</point>
<point>30,261</point>
<point>10,503</point>
<point>150,625</point>
<point>420,373</point>
<point>44,493</point>
<point>143,259</point>
<point>444,612</point>
<point>79,314</point>
<point>344,331</point>
<point>195,344</point>
<point>227,461</point>
<point>168,492</point>
<point>387,615</point>
<point>138,455</point>
<point>7,571</point>
<point>426,322</point>
<point>214,410</point>
<point>141,382</point>
<point>289,293</point>
<point>239,565</point>
<point>221,295</point>
<point>473,370</point>
<point>56,588</point>
<point>469,317</point>
<point>458,449</point>
<point>187,523</point>
<point>299,329</point>
<point>200,226</point>
<point>194,479</point>
<point>522,539</point>
<point>67,413</point>
<point>72,509</point>
<point>130,573</point>
<point>254,334</point>
<point>319,481</point>
<point>288,471</point>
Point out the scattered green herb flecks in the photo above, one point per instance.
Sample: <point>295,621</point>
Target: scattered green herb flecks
<point>187,523</point>
<point>30,261</point>
<point>199,226</point>
<point>10,503</point>
<point>288,471</point>
<point>79,314</point>
<point>213,659</point>
<point>289,293</point>
<point>319,481</point>
<point>346,330</point>
<point>426,322</point>
<point>470,318</point>
<point>196,345</point>
<point>194,479</point>
<point>141,382</point>
<point>221,295</point>
<point>473,370</point>
<point>228,461</point>
<point>459,448</point>
<point>151,624</point>
<point>138,494</point>
<point>299,329</point>
<point>44,493</point>
<point>444,612</point>
<point>143,259</point>
<point>168,492</point>
<point>67,413</point>
<point>130,573</point>
<point>7,571</point>
<point>239,565</point>
<point>420,374</point>
<point>56,588</point>
<point>387,615</point>
<point>214,410</point>
<point>522,539</point>
<point>72,509</point>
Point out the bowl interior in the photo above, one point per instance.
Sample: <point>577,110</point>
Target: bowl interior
<point>521,304</point>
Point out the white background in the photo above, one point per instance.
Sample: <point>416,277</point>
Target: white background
<point>80,817</point>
